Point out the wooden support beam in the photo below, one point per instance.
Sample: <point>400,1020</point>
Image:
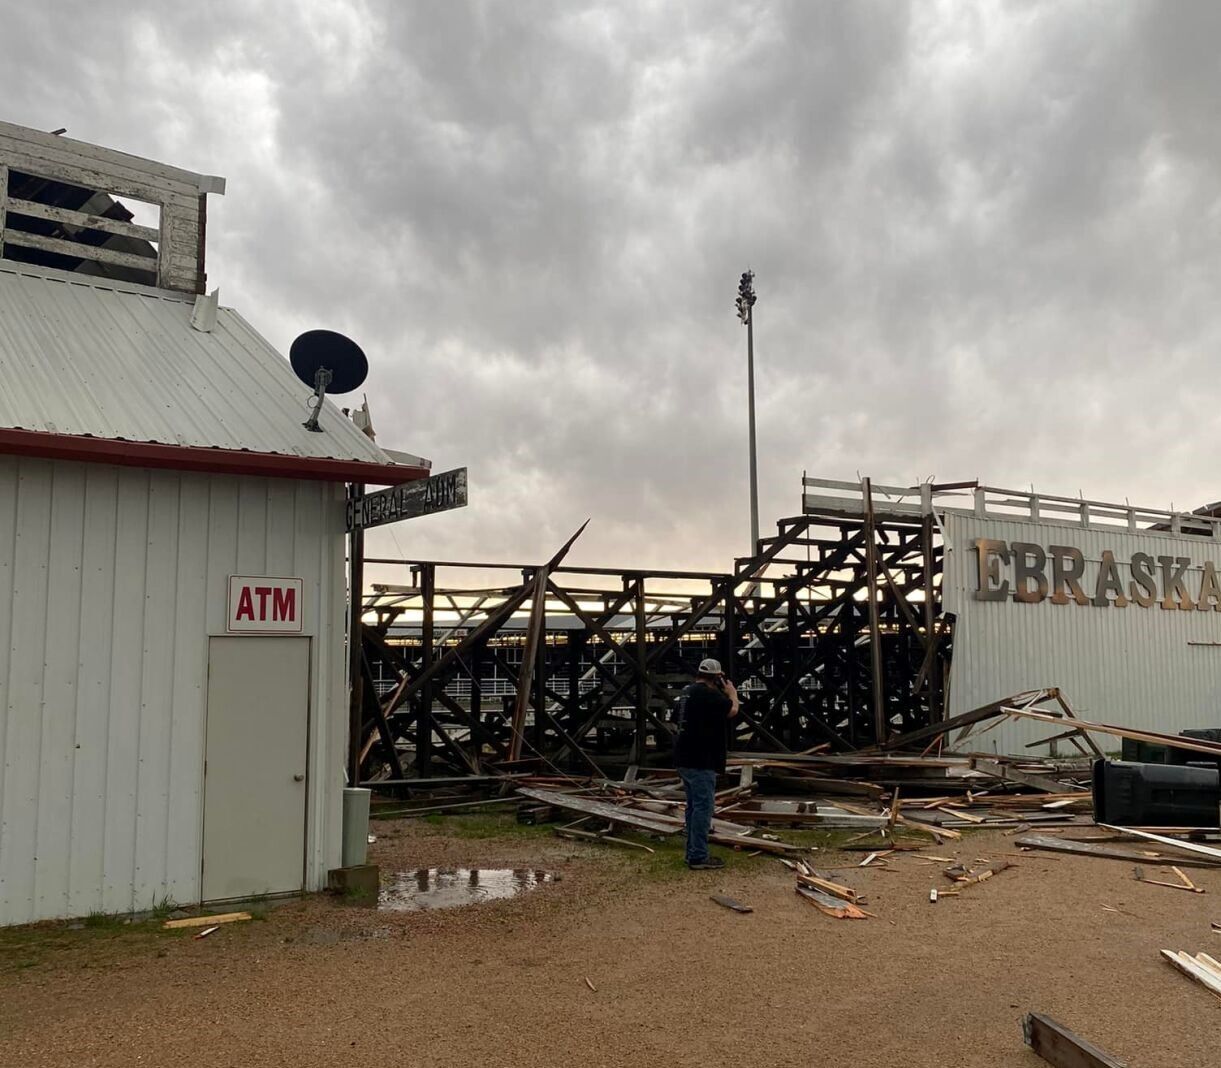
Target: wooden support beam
<point>1026,778</point>
<point>965,719</point>
<point>424,722</point>
<point>372,709</point>
<point>880,724</point>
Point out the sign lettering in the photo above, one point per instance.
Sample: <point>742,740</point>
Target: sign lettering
<point>1022,571</point>
<point>260,605</point>
<point>438,493</point>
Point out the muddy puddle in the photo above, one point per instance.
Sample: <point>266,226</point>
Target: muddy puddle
<point>447,888</point>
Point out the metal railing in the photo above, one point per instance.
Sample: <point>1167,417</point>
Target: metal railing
<point>822,496</point>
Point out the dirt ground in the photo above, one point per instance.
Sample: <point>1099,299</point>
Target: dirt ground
<point>679,980</point>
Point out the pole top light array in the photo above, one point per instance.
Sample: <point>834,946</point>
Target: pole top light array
<point>746,296</point>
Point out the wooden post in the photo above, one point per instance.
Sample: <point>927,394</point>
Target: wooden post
<point>576,643</point>
<point>476,701</point>
<point>729,623</point>
<point>875,632</point>
<point>423,737</point>
<point>540,669</point>
<point>537,586</point>
<point>642,688</point>
<point>356,590</point>
<point>935,710</point>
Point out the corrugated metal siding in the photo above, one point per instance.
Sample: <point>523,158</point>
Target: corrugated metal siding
<point>77,357</point>
<point>1129,666</point>
<point>111,581</point>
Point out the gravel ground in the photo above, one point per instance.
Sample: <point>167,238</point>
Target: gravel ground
<point>679,980</point>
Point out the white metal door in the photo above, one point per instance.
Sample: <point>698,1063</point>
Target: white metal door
<point>255,764</point>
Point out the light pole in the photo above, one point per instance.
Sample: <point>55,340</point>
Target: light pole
<point>746,304</point>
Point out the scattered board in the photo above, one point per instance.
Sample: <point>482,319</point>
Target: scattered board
<point>204,921</point>
<point>1058,1046</point>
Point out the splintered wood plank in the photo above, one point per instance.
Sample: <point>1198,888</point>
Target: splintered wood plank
<point>1190,847</point>
<point>930,828</point>
<point>1059,1046</point>
<point>1194,968</point>
<point>817,882</point>
<point>831,906</point>
<point>731,903</point>
<point>614,813</point>
<point>1086,849</point>
<point>1008,773</point>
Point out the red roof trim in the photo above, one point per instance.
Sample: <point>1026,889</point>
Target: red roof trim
<point>194,458</point>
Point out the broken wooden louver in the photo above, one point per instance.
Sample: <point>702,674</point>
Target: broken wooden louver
<point>58,209</point>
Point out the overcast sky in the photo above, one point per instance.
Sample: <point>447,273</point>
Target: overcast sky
<point>986,238</point>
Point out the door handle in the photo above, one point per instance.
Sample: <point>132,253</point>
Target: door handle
<point>298,778</point>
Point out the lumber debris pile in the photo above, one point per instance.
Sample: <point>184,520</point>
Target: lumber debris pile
<point>884,797</point>
<point>914,786</point>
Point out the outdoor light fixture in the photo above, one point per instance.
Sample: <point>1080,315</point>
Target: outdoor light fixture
<point>746,296</point>
<point>746,303</point>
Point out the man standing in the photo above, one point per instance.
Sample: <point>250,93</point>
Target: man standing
<point>704,711</point>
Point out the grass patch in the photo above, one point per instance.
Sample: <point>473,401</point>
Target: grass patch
<point>482,825</point>
<point>161,909</point>
<point>98,936</point>
<point>104,921</point>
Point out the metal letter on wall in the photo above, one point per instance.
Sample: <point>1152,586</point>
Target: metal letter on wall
<point>1210,590</point>
<point>1109,582</point>
<point>1143,588</point>
<point>992,553</point>
<point>1067,568</point>
<point>1029,562</point>
<point>1173,586</point>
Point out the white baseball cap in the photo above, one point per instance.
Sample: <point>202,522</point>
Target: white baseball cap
<point>710,667</point>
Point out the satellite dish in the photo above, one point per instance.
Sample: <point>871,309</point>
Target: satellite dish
<point>327,362</point>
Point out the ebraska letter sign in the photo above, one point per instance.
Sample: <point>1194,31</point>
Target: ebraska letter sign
<point>1060,574</point>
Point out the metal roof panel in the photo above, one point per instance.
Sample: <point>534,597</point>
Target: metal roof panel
<point>83,356</point>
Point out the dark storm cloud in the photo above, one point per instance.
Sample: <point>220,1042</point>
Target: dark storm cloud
<point>985,237</point>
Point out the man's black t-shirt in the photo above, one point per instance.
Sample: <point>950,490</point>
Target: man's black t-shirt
<point>702,728</point>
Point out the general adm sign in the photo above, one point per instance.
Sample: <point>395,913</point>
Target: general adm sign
<point>438,493</point>
<point>1030,573</point>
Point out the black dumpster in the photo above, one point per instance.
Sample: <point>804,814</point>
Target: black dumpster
<point>1155,795</point>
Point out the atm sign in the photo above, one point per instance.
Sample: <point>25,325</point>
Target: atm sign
<point>264,605</point>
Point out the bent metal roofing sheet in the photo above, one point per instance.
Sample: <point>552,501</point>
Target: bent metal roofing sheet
<point>88,357</point>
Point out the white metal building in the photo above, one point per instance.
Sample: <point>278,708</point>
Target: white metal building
<point>172,601</point>
<point>1116,605</point>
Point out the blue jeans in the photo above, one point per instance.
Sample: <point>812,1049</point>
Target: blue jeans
<point>699,784</point>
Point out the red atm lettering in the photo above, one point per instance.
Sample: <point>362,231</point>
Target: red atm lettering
<point>262,591</point>
<point>245,606</point>
<point>284,605</point>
